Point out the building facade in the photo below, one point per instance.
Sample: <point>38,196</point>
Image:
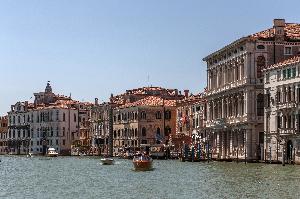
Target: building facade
<point>51,121</point>
<point>102,127</point>
<point>235,96</point>
<point>191,117</point>
<point>282,111</point>
<point>3,134</point>
<point>134,116</point>
<point>151,120</point>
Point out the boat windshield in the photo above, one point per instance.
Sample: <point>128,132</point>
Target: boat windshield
<point>142,158</point>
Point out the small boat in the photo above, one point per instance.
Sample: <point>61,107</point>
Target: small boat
<point>142,162</point>
<point>107,161</point>
<point>52,153</point>
<point>29,155</point>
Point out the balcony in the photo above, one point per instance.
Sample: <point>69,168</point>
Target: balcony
<point>226,86</point>
<point>288,131</point>
<point>287,105</point>
<point>223,122</point>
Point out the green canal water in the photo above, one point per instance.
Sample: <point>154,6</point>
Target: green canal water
<point>71,177</point>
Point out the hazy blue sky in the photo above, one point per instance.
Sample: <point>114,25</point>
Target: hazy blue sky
<point>94,48</point>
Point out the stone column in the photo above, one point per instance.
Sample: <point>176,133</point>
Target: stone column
<point>234,72</point>
<point>242,67</point>
<point>217,78</point>
<point>249,141</point>
<point>223,115</point>
<point>213,110</point>
<point>296,93</point>
<point>208,79</point>
<point>245,102</point>
<point>247,65</point>
<point>293,93</point>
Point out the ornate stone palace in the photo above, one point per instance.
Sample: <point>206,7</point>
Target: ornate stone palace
<point>282,111</point>
<point>51,121</point>
<point>235,95</point>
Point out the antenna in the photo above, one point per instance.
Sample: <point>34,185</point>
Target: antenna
<point>148,80</point>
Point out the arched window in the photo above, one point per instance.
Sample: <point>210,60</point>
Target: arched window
<point>260,65</point>
<point>75,117</point>
<point>135,133</point>
<point>125,132</point>
<point>158,115</point>
<point>158,131</point>
<point>260,104</point>
<point>64,117</point>
<point>115,134</point>
<point>135,116</point>
<point>144,132</point>
<point>143,115</point>
<point>167,115</point>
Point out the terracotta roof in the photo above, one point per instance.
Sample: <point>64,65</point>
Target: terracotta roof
<point>143,92</point>
<point>290,61</point>
<point>150,101</point>
<point>192,99</point>
<point>292,31</point>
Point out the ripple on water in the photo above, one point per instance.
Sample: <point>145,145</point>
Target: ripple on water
<point>72,177</point>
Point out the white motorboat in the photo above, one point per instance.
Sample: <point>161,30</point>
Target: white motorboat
<point>107,161</point>
<point>29,155</point>
<point>52,152</point>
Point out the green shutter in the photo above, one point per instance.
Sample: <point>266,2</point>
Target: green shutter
<point>293,72</point>
<point>288,73</point>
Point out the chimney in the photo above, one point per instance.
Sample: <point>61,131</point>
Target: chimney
<point>186,93</point>
<point>96,101</point>
<point>278,25</point>
<point>176,92</point>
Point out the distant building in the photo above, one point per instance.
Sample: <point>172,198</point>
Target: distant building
<point>102,127</point>
<point>144,116</point>
<point>282,111</point>
<point>51,121</point>
<point>191,117</point>
<point>3,134</point>
<point>235,99</point>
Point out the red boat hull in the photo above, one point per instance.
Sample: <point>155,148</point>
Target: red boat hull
<point>140,165</point>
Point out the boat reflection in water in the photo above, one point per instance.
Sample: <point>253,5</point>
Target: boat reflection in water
<point>142,162</point>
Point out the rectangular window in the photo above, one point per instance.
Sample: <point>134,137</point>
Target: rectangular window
<point>288,50</point>
<point>64,142</point>
<point>293,72</point>
<point>284,74</point>
<point>267,77</point>
<point>278,122</point>
<point>288,73</point>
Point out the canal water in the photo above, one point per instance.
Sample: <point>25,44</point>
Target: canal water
<point>72,177</point>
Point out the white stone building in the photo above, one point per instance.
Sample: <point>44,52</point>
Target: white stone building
<point>51,121</point>
<point>235,100</point>
<point>282,111</point>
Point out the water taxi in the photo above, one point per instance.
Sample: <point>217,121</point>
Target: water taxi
<point>107,161</point>
<point>142,162</point>
<point>52,152</point>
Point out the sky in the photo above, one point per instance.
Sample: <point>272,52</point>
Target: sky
<point>92,48</point>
